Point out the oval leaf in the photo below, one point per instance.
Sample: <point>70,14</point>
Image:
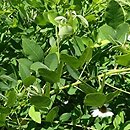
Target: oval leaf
<point>40,101</point>
<point>95,99</point>
<point>114,14</point>
<point>52,114</point>
<point>36,116</point>
<point>32,49</point>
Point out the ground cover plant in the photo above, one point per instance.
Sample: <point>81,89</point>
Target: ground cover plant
<point>64,65</point>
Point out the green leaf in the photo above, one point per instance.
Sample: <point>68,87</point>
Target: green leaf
<point>117,121</point>
<point>86,88</point>
<point>65,117</point>
<point>7,77</point>
<point>73,72</point>
<point>51,16</point>
<point>24,69</point>
<point>78,40</point>
<point>59,70</point>
<point>47,89</point>
<point>48,75</point>
<point>114,14</point>
<point>41,19</point>
<point>51,61</point>
<point>85,57</point>
<point>35,3</point>
<point>70,60</point>
<point>72,90</point>
<point>2,119</point>
<point>52,114</point>
<point>65,30</point>
<point>123,59</point>
<point>29,80</point>
<point>126,126</point>
<point>37,65</point>
<point>95,99</point>
<point>121,32</point>
<point>111,96</point>
<point>25,62</point>
<point>83,20</point>
<point>40,101</point>
<point>4,87</point>
<point>5,110</point>
<point>106,33</point>
<point>36,116</point>
<point>87,41</point>
<point>11,95</point>
<point>32,49</point>
<point>51,76</point>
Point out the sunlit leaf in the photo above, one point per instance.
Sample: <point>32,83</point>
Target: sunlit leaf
<point>123,59</point>
<point>65,117</point>
<point>32,49</point>
<point>36,116</point>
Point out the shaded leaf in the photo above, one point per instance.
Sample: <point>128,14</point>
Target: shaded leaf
<point>86,88</point>
<point>51,76</point>
<point>29,80</point>
<point>85,57</point>
<point>114,14</point>
<point>52,114</point>
<point>48,75</point>
<point>11,95</point>
<point>73,72</point>
<point>111,96</point>
<point>70,60</point>
<point>95,99</point>
<point>40,101</point>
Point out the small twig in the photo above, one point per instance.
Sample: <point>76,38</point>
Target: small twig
<point>117,88</point>
<point>111,72</point>
<point>67,86</point>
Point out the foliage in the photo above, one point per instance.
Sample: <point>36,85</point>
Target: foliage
<point>61,58</point>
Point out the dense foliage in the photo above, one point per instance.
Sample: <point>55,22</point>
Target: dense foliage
<point>59,59</point>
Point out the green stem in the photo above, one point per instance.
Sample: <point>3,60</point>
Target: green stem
<point>83,71</point>
<point>111,72</point>
<point>67,86</point>
<point>117,88</point>
<point>58,43</point>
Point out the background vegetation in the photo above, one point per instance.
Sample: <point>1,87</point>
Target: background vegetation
<point>61,58</point>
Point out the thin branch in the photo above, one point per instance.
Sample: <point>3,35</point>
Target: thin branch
<point>117,88</point>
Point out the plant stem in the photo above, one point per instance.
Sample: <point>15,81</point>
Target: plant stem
<point>67,86</point>
<point>117,88</point>
<point>113,72</point>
